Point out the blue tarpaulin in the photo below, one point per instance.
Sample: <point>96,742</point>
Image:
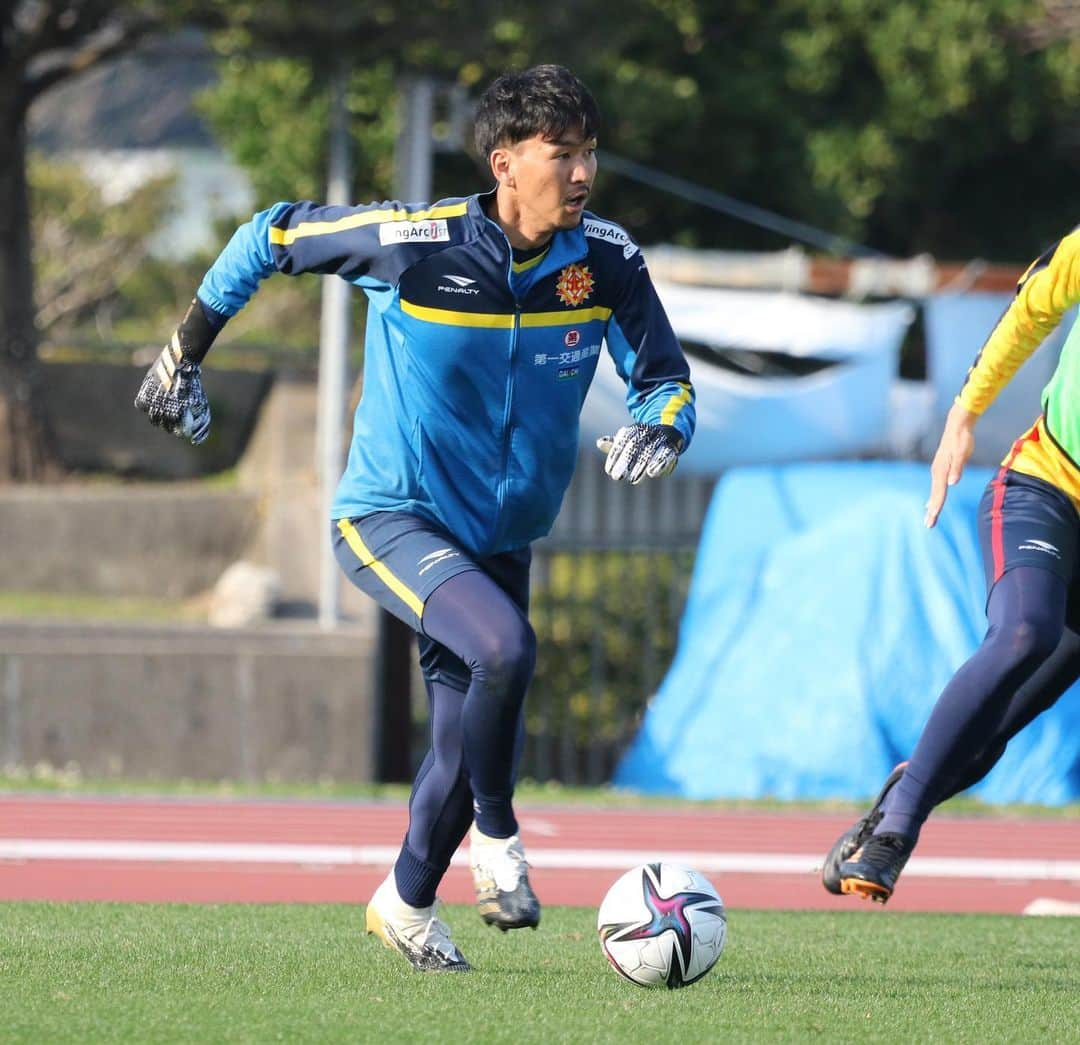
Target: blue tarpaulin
<point>823,621</point>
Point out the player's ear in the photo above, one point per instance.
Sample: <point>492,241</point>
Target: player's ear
<point>502,166</point>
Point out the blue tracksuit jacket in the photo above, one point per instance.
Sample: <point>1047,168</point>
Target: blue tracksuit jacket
<point>475,367</point>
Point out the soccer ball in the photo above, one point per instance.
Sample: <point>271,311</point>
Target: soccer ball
<point>662,925</point>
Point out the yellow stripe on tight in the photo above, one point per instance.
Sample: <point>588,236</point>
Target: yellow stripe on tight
<point>382,571</point>
<point>284,237</point>
<point>674,405</point>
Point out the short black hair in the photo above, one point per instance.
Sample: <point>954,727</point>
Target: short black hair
<point>546,99</point>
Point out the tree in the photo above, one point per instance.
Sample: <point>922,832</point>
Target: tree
<point>925,117</point>
<point>271,115</point>
<point>897,122</point>
<point>41,44</point>
<point>85,248</point>
<point>892,122</point>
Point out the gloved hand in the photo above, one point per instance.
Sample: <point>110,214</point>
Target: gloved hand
<point>638,450</point>
<point>171,394</point>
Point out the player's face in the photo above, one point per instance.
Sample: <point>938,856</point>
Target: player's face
<point>552,180</point>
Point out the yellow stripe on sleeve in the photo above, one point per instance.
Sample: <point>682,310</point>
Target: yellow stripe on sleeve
<point>382,571</point>
<point>285,237</point>
<point>674,405</point>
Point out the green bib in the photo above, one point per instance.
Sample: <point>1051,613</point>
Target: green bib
<point>1061,397</point>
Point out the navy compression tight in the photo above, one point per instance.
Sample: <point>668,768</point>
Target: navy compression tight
<point>1027,659</point>
<point>476,732</point>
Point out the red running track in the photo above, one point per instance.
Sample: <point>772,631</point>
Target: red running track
<point>547,831</point>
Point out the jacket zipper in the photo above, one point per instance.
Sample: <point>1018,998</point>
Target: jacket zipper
<point>504,464</point>
<point>511,364</point>
<point>507,426</point>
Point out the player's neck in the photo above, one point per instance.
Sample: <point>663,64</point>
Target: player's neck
<point>523,233</point>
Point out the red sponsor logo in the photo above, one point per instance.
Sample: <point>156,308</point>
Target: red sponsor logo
<point>572,338</point>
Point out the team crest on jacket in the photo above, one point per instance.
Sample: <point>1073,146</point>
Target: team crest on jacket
<point>574,285</point>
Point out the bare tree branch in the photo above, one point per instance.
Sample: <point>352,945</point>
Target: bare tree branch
<point>52,67</point>
<point>89,288</point>
<point>1059,20</point>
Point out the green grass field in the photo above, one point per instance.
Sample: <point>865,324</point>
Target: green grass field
<point>258,973</point>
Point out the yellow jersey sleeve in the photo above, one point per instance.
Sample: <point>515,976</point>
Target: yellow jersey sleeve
<point>1045,292</point>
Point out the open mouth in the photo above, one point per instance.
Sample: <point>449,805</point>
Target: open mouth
<point>576,200</point>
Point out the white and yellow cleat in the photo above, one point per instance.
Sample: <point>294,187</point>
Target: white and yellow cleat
<point>501,878</point>
<point>414,931</point>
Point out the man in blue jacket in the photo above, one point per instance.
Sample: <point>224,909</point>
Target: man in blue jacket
<point>485,321</point>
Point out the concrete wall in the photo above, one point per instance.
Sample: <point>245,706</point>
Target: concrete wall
<point>281,701</point>
<point>279,465</point>
<point>98,429</point>
<point>285,702</point>
<point>172,540</point>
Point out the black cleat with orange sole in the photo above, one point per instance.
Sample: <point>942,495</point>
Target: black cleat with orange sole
<point>872,872</point>
<point>857,835</point>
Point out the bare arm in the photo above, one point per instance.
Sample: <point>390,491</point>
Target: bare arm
<point>954,450</point>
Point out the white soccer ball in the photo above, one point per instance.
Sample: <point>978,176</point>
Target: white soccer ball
<point>662,925</point>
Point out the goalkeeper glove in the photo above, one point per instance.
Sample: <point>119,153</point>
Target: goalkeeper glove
<point>638,450</point>
<point>171,394</point>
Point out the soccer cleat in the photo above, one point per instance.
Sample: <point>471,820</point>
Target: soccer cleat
<point>501,877</point>
<point>856,835</point>
<point>414,931</point>
<point>872,872</point>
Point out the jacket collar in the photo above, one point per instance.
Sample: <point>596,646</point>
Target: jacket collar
<point>567,245</point>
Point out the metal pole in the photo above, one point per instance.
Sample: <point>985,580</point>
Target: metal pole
<point>413,163</point>
<point>415,148</point>
<point>333,356</point>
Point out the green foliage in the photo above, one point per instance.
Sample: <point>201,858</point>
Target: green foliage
<point>271,115</point>
<point>97,281</point>
<point>901,124</point>
<point>85,249</point>
<point>306,972</point>
<point>32,605</point>
<point>918,117</point>
<point>606,626</point>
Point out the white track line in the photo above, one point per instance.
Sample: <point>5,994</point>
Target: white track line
<point>23,850</point>
<point>1049,907</point>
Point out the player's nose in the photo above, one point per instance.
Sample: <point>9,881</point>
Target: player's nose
<point>581,173</point>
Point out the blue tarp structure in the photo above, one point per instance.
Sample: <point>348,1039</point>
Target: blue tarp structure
<point>822,623</point>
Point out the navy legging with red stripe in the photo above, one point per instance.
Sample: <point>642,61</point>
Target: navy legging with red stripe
<point>1028,531</point>
<point>1026,661</point>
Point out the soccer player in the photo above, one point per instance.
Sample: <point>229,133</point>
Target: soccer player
<point>486,317</point>
<point>1029,530</point>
